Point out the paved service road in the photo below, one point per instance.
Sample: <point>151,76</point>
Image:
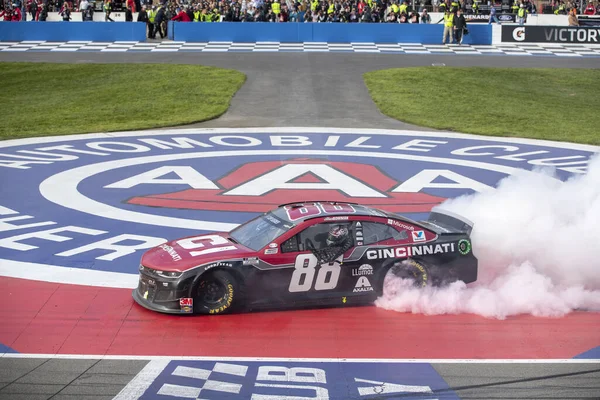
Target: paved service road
<point>306,89</point>
<point>300,89</point>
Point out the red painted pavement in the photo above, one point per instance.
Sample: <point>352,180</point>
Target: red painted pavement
<point>40,317</point>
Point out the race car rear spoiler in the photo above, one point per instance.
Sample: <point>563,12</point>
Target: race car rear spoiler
<point>450,221</point>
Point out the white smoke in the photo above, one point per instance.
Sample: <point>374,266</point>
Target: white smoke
<point>537,240</point>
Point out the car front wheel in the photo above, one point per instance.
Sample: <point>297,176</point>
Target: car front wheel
<point>215,293</point>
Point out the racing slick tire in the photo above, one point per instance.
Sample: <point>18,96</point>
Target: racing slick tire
<point>413,270</point>
<point>407,269</point>
<point>215,292</point>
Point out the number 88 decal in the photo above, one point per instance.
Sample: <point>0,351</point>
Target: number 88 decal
<point>304,274</point>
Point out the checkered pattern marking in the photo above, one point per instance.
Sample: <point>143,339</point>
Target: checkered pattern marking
<point>559,50</point>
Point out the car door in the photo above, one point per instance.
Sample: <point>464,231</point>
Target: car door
<point>306,280</point>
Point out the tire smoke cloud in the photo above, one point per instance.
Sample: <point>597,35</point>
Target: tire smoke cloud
<point>537,240</point>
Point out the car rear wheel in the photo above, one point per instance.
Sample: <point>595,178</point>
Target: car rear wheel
<point>215,293</point>
<point>409,270</point>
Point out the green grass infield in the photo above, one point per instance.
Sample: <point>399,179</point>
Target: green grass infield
<point>552,104</point>
<point>40,99</point>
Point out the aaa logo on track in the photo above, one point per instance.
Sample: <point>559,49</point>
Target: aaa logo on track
<point>94,203</point>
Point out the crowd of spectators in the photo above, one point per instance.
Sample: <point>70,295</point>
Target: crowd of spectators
<point>372,11</point>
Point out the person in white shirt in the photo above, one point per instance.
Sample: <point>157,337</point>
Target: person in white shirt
<point>83,5</point>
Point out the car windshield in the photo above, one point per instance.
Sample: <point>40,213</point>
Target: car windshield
<point>257,233</point>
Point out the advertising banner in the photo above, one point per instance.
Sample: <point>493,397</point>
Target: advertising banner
<point>471,18</point>
<point>551,34</point>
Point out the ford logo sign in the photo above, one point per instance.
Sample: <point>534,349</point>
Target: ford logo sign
<point>505,18</point>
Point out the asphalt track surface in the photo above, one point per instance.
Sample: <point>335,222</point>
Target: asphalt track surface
<point>299,89</point>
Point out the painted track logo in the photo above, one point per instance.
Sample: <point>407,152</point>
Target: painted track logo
<point>83,209</point>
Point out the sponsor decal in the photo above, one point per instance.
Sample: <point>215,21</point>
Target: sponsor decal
<point>186,304</point>
<point>418,236</point>
<point>250,261</point>
<point>410,251</point>
<point>364,269</point>
<point>218,264</point>
<point>338,218</point>
<point>506,17</point>
<point>362,285</point>
<point>519,34</point>
<point>273,245</point>
<point>170,251</point>
<point>96,203</point>
<point>420,273</point>
<point>271,251</point>
<point>464,247</point>
<point>272,219</point>
<point>400,224</point>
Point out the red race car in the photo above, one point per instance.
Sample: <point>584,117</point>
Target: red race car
<point>304,254</point>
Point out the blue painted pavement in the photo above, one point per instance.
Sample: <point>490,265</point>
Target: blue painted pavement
<point>263,380</point>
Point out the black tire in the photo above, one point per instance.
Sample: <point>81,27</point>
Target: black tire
<point>413,270</point>
<point>215,293</point>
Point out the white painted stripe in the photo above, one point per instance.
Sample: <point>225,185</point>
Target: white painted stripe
<point>291,359</point>
<point>68,275</point>
<point>187,392</point>
<point>219,386</point>
<point>138,385</point>
<point>194,373</point>
<point>231,369</point>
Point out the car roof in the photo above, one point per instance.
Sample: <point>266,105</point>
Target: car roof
<point>359,210</point>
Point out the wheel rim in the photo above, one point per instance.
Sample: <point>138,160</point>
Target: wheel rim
<point>211,291</point>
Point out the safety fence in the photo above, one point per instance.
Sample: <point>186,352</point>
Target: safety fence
<point>72,31</point>
<point>326,33</point>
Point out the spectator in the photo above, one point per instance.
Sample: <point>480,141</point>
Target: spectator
<point>522,15</point>
<point>108,10</point>
<point>493,17</point>
<point>460,24</point>
<point>143,15</point>
<point>414,17</point>
<point>590,10</point>
<point>88,13</point>
<point>6,13</point>
<point>32,8</point>
<point>150,23</point>
<point>573,21</point>
<point>16,14</point>
<point>43,14</point>
<point>83,6</point>
<point>128,14</point>
<point>448,27</point>
<point>160,21</point>
<point>181,16</point>
<point>66,12</point>
<point>425,17</point>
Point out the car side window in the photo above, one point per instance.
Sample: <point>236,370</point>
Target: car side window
<point>374,232</point>
<point>317,235</point>
<point>290,245</point>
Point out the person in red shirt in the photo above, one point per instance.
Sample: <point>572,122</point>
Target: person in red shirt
<point>131,5</point>
<point>181,16</point>
<point>17,15</point>
<point>590,10</point>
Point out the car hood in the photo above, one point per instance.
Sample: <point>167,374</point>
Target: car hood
<point>186,253</point>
